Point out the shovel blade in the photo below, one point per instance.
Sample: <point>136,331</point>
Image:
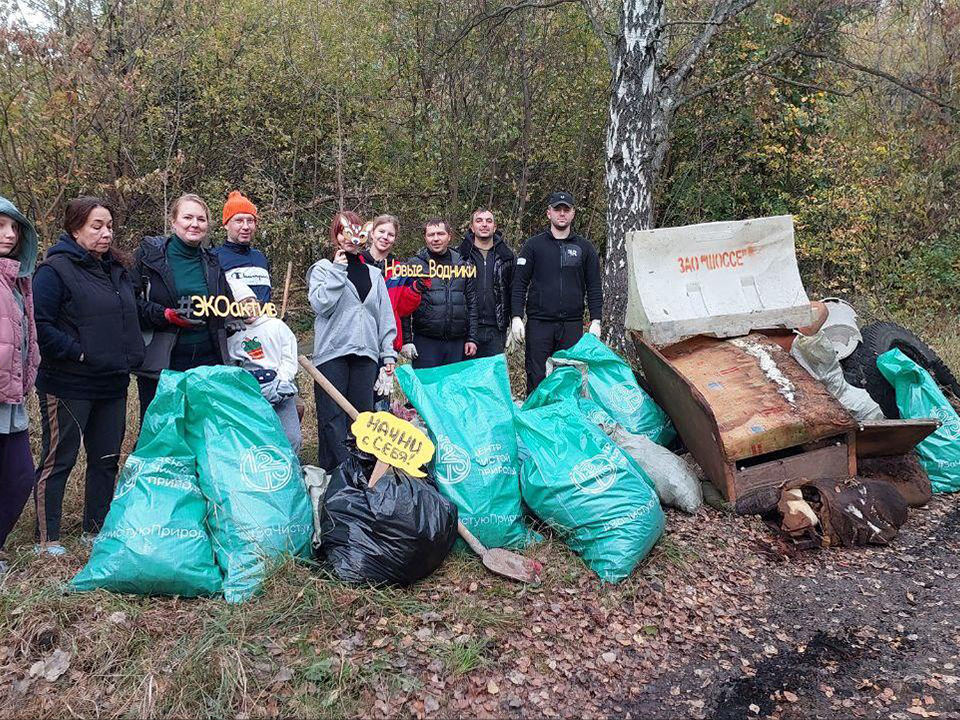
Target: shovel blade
<point>511,565</point>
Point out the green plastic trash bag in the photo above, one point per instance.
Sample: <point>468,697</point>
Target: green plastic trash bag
<point>564,383</point>
<point>469,411</point>
<point>154,540</point>
<point>259,508</point>
<point>614,387</point>
<point>919,396</point>
<point>580,483</point>
<point>567,382</point>
<point>674,483</point>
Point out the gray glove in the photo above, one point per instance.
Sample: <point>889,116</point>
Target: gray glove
<point>270,391</point>
<point>286,389</point>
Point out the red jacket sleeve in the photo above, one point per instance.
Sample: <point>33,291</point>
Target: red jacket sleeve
<point>405,300</point>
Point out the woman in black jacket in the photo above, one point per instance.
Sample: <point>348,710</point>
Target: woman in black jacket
<point>90,342</point>
<point>169,270</point>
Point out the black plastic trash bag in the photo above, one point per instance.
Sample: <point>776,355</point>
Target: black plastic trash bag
<point>397,532</point>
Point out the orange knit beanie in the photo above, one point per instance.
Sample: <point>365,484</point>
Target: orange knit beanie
<point>237,202</point>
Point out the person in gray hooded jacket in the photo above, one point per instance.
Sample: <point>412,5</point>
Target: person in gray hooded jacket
<point>354,331</point>
<point>19,360</point>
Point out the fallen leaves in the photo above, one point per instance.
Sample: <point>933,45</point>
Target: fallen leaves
<point>706,614</point>
<point>51,668</point>
<point>283,675</point>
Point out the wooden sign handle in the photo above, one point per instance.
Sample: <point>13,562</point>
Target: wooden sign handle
<point>380,469</point>
<point>286,290</point>
<point>328,387</point>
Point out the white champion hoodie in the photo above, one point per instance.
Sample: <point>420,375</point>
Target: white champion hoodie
<point>265,343</point>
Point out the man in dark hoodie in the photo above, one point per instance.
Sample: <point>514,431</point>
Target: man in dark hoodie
<point>555,270</point>
<point>483,245</point>
<point>445,323</point>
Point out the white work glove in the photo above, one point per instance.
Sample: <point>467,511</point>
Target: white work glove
<point>384,384</point>
<point>594,328</point>
<point>517,332</point>
<point>409,351</point>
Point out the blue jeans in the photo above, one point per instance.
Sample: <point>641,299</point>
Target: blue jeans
<point>286,411</point>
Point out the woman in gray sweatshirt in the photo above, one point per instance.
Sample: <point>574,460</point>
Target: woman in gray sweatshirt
<point>353,332</point>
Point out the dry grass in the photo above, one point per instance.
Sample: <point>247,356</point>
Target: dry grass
<point>289,652</point>
<point>163,657</point>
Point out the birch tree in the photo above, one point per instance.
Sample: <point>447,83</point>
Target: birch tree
<point>647,88</point>
<point>650,81</point>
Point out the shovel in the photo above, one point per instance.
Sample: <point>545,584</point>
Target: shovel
<point>499,561</point>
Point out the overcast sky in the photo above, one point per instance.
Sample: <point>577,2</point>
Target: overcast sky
<point>21,11</point>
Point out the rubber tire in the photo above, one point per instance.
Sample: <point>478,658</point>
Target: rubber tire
<point>860,369</point>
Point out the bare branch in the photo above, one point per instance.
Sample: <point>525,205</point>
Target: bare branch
<point>750,69</point>
<point>501,14</point>
<point>723,10</point>
<point>689,22</point>
<point>321,200</point>
<point>605,36</point>
<point>806,86</point>
<point>880,74</point>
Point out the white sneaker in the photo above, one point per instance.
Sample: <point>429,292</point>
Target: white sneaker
<point>54,549</point>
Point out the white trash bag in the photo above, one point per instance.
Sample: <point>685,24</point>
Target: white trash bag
<point>818,356</point>
<point>676,484</point>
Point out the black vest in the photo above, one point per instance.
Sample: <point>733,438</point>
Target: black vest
<point>101,313</point>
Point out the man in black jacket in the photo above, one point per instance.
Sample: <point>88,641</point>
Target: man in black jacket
<point>445,324</point>
<point>555,270</point>
<point>484,246</point>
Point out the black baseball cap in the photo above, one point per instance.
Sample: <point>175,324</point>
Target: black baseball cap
<point>560,198</point>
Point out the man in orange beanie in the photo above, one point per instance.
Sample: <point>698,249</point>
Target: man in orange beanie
<point>240,261</point>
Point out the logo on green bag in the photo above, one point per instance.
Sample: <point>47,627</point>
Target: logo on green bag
<point>599,416</point>
<point>265,468</point>
<point>453,463</point>
<point>594,475</point>
<point>625,398</point>
<point>949,423</point>
<point>128,478</point>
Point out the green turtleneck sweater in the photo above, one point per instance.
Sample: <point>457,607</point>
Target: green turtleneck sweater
<point>186,264</point>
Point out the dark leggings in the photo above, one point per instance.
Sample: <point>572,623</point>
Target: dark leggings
<point>354,376</point>
<point>65,424</point>
<point>16,479</point>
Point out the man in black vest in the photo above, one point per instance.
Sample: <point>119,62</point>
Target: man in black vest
<point>484,246</point>
<point>445,324</point>
<point>555,270</point>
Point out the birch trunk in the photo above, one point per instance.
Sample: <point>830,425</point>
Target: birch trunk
<point>636,145</point>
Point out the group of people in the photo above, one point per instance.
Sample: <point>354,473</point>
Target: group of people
<point>78,324</point>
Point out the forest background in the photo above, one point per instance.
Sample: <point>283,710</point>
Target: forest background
<point>423,107</point>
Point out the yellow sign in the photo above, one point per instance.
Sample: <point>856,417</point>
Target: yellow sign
<point>222,306</point>
<point>434,270</point>
<point>393,440</point>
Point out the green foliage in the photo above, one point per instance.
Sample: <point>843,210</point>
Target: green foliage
<point>868,171</point>
<point>379,105</point>
<point>419,107</point>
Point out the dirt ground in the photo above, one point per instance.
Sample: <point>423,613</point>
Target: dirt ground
<point>869,633</point>
<point>741,627</point>
<point>722,621</point>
